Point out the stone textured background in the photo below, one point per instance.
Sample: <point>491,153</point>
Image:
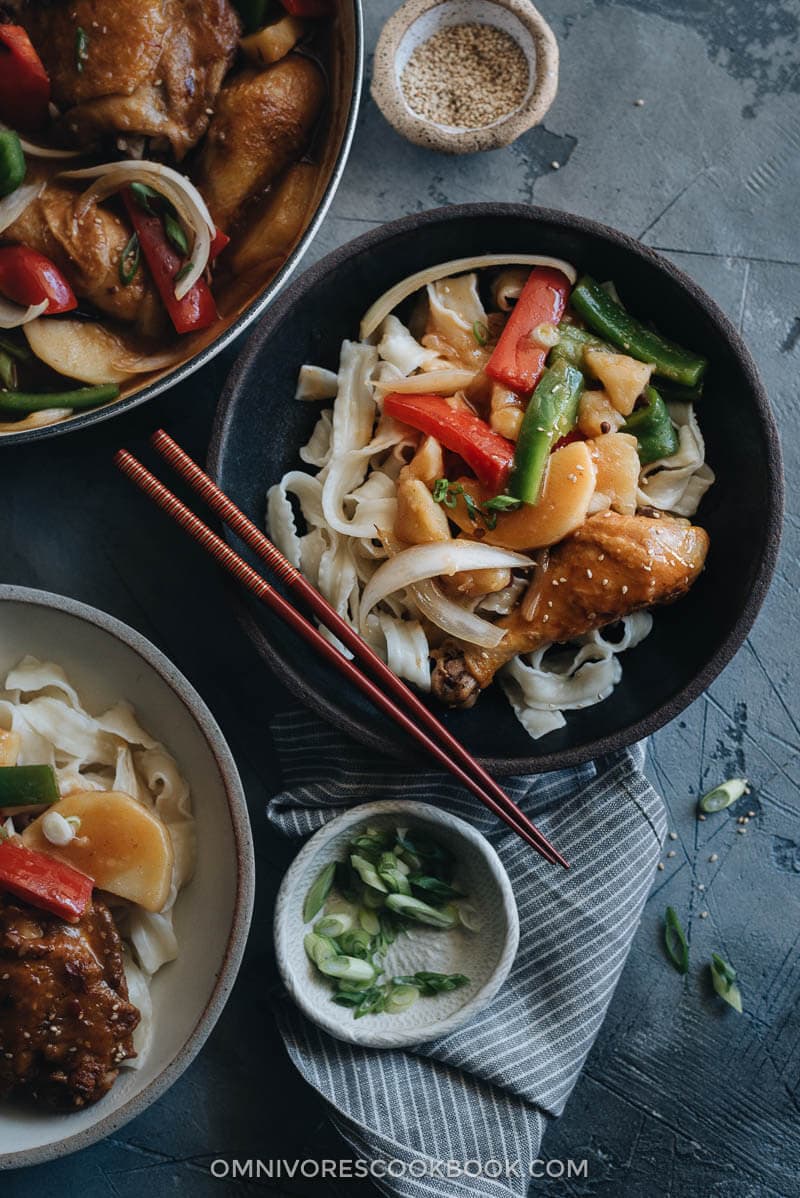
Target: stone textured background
<point>679,1097</point>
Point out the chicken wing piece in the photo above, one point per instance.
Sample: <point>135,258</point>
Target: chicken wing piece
<point>262,123</point>
<point>87,250</point>
<point>612,566</point>
<point>134,68</point>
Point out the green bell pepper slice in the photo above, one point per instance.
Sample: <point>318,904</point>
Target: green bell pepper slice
<point>652,428</point>
<point>550,415</point>
<point>12,162</point>
<point>611,320</point>
<point>27,787</point>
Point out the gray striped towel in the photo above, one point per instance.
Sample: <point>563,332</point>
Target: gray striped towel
<point>483,1093</point>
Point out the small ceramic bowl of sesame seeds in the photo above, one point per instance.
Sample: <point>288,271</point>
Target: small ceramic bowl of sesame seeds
<point>461,76</point>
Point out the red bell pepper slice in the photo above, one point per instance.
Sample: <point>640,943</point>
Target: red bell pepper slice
<point>218,243</point>
<point>24,83</point>
<point>309,8</point>
<point>518,361</point>
<point>44,882</point>
<point>197,309</point>
<point>485,451</point>
<point>28,277</point>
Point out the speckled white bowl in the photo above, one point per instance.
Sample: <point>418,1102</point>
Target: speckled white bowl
<point>485,956</point>
<point>418,20</point>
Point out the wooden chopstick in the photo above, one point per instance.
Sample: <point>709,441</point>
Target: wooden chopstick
<point>494,797</point>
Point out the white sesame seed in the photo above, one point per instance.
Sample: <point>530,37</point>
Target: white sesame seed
<point>671,853</point>
<point>704,914</point>
<point>714,857</point>
<point>638,103</point>
<point>588,572</point>
<point>624,589</point>
<point>555,165</point>
<point>673,835</point>
<point>661,865</point>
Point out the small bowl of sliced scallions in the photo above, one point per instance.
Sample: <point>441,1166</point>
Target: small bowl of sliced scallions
<point>395,924</point>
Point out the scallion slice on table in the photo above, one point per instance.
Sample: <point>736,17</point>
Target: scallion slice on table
<point>723,976</point>
<point>723,795</point>
<point>675,941</point>
<point>610,319</point>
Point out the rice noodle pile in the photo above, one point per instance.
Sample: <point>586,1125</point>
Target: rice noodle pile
<point>348,505</point>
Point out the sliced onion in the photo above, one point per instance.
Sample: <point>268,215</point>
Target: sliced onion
<point>395,295</point>
<point>189,204</point>
<point>432,382</point>
<point>14,315</point>
<point>35,151</point>
<point>454,619</point>
<point>13,206</point>
<point>144,363</point>
<point>419,562</point>
<point>35,420</point>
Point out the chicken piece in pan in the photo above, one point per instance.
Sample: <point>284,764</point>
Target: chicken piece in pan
<point>66,1023</point>
<point>87,249</point>
<point>262,121</point>
<point>612,566</point>
<point>134,69</point>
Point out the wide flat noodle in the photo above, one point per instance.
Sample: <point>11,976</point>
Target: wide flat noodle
<point>110,751</point>
<point>678,483</point>
<point>542,685</point>
<point>401,350</point>
<point>407,650</point>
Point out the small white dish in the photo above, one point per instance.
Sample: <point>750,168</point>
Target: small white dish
<point>484,955</point>
<point>418,20</point>
<point>107,661</point>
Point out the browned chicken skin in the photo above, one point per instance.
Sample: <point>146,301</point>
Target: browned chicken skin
<point>263,119</point>
<point>611,566</point>
<point>66,1024</point>
<point>148,68</point>
<point>87,251</point>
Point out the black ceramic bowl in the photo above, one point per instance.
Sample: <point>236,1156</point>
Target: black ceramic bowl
<point>259,428</point>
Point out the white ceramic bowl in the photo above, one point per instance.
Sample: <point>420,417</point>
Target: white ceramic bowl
<point>485,956</point>
<point>107,661</point>
<point>416,21</point>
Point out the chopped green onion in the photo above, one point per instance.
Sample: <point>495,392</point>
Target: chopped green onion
<point>675,941</point>
<point>401,997</point>
<point>349,969</point>
<point>333,925</point>
<point>412,908</point>
<point>175,233</point>
<point>81,49</point>
<point>367,872</point>
<point>183,272</point>
<point>356,943</point>
<point>480,332</point>
<point>393,878</point>
<point>319,948</point>
<point>433,983</point>
<point>318,892</point>
<point>143,195</point>
<point>369,921</point>
<point>723,976</point>
<point>434,886</point>
<point>502,503</point>
<point>723,795</point>
<point>129,260</point>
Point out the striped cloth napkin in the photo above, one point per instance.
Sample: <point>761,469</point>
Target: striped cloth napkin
<point>483,1093</point>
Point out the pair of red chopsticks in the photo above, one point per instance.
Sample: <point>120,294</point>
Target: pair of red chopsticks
<point>437,740</point>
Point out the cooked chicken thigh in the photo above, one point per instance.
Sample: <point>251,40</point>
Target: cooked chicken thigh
<point>87,250</point>
<point>611,566</point>
<point>262,121</point>
<point>149,68</point>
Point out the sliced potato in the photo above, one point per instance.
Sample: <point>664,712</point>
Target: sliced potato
<point>597,414</point>
<point>616,459</point>
<point>622,377</point>
<point>428,462</point>
<point>10,745</point>
<point>568,489</point>
<point>271,233</point>
<point>274,41</point>
<point>79,349</point>
<point>475,583</point>
<point>121,845</point>
<point>419,518</point>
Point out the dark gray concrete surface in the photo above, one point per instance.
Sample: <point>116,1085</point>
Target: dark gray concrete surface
<point>679,1098</point>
